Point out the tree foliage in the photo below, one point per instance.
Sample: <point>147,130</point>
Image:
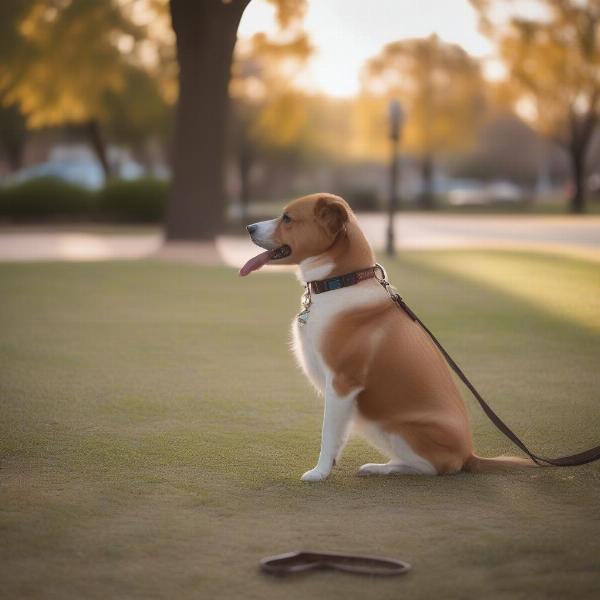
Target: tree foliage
<point>553,65</point>
<point>441,91</point>
<point>269,105</point>
<point>67,59</point>
<point>268,102</point>
<point>88,62</point>
<point>439,86</point>
<point>270,117</point>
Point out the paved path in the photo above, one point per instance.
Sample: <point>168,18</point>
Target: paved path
<point>572,235</point>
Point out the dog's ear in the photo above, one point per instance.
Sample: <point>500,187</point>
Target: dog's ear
<point>331,213</point>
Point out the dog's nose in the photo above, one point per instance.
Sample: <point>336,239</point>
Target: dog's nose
<point>251,228</point>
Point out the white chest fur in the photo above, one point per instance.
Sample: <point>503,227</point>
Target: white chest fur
<point>308,338</point>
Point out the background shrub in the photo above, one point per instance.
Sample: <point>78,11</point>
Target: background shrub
<point>362,200</point>
<point>137,201</point>
<point>45,197</point>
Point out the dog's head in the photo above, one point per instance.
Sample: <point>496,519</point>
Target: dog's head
<point>308,227</point>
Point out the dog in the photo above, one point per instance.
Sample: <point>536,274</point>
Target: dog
<point>376,368</point>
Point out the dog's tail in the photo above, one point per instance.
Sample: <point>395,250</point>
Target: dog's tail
<point>498,464</point>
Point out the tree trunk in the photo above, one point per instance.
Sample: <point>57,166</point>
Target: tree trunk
<point>426,199</point>
<point>14,150</point>
<point>206,33</point>
<point>577,200</point>
<point>97,141</point>
<point>245,164</point>
<point>13,134</point>
<point>581,130</point>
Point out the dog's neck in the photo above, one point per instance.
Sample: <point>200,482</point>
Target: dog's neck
<point>350,252</point>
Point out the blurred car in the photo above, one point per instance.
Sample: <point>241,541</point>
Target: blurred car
<point>85,172</point>
<point>465,192</point>
<point>471,192</point>
<point>505,191</point>
<point>593,184</point>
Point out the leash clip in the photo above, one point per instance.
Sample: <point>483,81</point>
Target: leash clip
<point>381,277</point>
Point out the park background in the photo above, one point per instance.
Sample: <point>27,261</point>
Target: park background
<point>154,426</point>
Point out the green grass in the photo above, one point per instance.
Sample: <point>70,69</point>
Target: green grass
<point>154,429</point>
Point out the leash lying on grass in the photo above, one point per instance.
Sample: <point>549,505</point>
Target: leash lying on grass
<point>378,272</point>
<point>298,562</point>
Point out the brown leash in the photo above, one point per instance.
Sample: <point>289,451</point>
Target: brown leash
<point>298,562</point>
<point>573,460</point>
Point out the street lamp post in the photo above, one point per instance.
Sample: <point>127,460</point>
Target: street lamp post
<point>396,116</point>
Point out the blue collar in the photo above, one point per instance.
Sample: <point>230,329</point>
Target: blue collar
<point>336,283</point>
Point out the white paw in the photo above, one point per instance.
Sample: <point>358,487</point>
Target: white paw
<point>372,469</point>
<point>314,475</point>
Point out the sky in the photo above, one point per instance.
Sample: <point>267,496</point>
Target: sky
<point>346,33</point>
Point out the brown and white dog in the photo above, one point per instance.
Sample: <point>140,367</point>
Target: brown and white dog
<point>375,366</point>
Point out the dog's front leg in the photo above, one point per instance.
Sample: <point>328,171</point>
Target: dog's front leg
<point>336,422</point>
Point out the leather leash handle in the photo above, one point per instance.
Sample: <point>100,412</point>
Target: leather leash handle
<point>573,460</point>
<point>300,561</point>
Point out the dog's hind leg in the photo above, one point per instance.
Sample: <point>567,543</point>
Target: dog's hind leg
<point>394,468</point>
<point>404,461</point>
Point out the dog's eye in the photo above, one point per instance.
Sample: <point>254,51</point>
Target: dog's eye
<point>286,218</point>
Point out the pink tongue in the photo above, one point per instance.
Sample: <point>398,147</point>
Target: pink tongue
<point>255,263</point>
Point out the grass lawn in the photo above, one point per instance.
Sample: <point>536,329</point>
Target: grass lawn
<point>154,429</point>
